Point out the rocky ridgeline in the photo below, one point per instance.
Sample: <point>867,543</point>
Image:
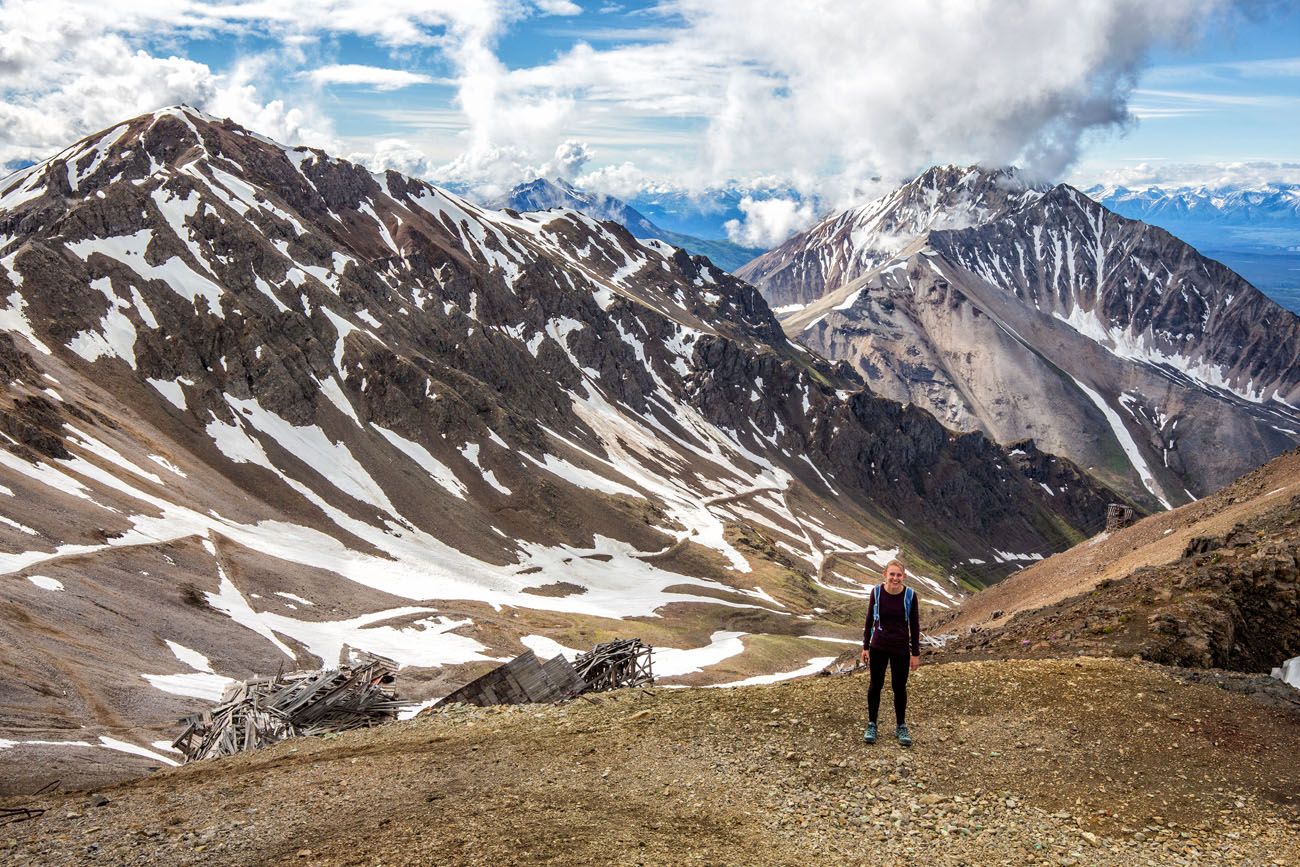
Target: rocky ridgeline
<point>1230,601</point>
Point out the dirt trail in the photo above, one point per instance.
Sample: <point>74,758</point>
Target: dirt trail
<point>1081,761</point>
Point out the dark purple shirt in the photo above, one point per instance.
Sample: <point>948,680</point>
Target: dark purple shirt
<point>897,633</point>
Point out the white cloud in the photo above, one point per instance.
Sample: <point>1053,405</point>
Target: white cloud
<point>1251,174</point>
<point>71,67</point>
<point>851,92</point>
<point>622,181</point>
<point>569,159</point>
<point>558,7</point>
<point>834,105</point>
<point>375,76</point>
<point>768,222</point>
<point>398,155</point>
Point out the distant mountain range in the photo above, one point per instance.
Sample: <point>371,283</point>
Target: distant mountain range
<point>542,194</point>
<point>1255,231</point>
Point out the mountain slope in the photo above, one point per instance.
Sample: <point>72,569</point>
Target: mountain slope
<point>543,194</point>
<point>1212,584</point>
<point>263,406</point>
<point>1103,339</point>
<point>1254,231</point>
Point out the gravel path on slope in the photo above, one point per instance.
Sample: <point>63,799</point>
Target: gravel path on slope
<point>1083,761</point>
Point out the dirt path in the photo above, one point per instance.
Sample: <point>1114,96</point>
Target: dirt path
<point>1049,761</point>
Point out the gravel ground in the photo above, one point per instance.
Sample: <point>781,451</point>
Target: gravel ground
<point>1079,761</point>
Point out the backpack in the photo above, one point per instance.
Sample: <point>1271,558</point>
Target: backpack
<point>909,602</point>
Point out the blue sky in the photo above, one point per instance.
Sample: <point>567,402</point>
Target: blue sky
<point>834,100</point>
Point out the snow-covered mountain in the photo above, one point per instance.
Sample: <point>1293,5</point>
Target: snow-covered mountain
<point>261,406</point>
<point>542,194</point>
<point>1029,313</point>
<point>848,244</point>
<point>1271,204</point>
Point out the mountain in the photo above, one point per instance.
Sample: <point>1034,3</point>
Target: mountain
<point>1254,231</point>
<point>261,407</point>
<point>1031,313</point>
<point>542,194</point>
<point>844,246</point>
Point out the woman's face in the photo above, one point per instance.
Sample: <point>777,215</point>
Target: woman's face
<point>894,579</point>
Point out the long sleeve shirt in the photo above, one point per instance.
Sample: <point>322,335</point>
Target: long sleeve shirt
<point>897,632</point>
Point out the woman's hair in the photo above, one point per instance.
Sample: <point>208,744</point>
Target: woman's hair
<point>898,563</point>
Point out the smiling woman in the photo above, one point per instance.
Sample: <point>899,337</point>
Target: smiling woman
<point>891,640</point>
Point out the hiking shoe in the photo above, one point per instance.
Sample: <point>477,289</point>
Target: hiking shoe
<point>904,737</point>
<point>870,734</point>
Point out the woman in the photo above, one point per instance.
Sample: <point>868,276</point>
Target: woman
<point>891,639</point>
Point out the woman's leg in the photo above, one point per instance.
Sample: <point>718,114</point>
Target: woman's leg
<point>900,665</point>
<point>878,660</point>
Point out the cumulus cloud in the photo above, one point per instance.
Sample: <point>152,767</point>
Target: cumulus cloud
<point>569,159</point>
<point>397,155</point>
<point>377,77</point>
<point>622,181</point>
<point>833,106</point>
<point>71,67</point>
<point>830,100</point>
<point>768,222</point>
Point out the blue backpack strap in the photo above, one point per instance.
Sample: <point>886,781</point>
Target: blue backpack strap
<point>879,591</point>
<point>909,600</point>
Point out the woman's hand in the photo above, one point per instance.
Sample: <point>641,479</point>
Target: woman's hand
<point>916,663</point>
<point>864,656</point>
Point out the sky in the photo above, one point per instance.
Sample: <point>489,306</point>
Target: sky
<point>823,101</point>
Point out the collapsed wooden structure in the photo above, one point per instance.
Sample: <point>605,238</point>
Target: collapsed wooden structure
<point>1119,516</point>
<point>526,680</point>
<point>258,713</point>
<point>523,680</point>
<point>615,664</point>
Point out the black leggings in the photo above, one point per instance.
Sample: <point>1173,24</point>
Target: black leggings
<point>900,665</point>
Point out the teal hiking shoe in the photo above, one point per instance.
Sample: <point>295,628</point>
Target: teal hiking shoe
<point>870,734</point>
<point>904,737</point>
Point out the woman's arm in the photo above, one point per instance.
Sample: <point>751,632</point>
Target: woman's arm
<point>914,626</point>
<point>867,627</point>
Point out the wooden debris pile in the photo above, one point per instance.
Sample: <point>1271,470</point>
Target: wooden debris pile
<point>527,680</point>
<point>615,664</point>
<point>258,713</point>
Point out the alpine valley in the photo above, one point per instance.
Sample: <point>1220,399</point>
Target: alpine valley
<point>1023,311</point>
<point>262,406</point>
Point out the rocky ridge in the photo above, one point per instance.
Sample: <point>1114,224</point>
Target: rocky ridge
<point>1216,588</point>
